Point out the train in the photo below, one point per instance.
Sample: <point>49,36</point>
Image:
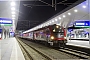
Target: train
<point>53,35</point>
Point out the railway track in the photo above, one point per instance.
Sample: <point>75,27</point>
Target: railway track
<point>81,54</point>
<point>68,51</point>
<point>32,53</point>
<point>76,52</point>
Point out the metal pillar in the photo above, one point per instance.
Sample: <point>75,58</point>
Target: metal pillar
<point>3,32</point>
<point>89,17</point>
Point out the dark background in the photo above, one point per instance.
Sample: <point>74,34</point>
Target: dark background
<point>33,13</point>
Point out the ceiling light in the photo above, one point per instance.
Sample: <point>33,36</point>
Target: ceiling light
<point>12,3</point>
<point>13,15</point>
<point>59,17</point>
<point>64,16</point>
<point>39,27</point>
<point>13,12</point>
<point>75,10</point>
<point>69,13</point>
<point>43,25</point>
<point>52,20</point>
<point>13,8</point>
<point>13,18</point>
<point>84,6</point>
<point>55,19</point>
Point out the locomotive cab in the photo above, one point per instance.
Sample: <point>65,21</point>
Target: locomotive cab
<point>58,35</point>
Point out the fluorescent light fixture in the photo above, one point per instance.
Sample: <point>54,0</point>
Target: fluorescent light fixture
<point>13,12</point>
<point>75,10</point>
<point>41,26</point>
<point>12,3</point>
<point>13,15</point>
<point>84,6</point>
<point>59,17</point>
<point>13,8</point>
<point>55,19</point>
<point>13,18</point>
<point>64,16</point>
<point>44,25</point>
<point>69,13</point>
<point>52,20</point>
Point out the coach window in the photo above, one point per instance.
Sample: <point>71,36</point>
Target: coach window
<point>47,31</point>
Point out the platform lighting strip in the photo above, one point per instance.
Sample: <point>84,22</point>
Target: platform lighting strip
<point>12,3</point>
<point>13,9</point>
<point>53,20</point>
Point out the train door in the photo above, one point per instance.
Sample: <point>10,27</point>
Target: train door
<point>48,34</point>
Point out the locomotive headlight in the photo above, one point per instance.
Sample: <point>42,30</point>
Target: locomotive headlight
<point>54,30</point>
<point>64,37</point>
<point>52,37</point>
<point>57,26</point>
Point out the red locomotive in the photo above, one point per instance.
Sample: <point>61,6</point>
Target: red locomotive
<point>54,35</point>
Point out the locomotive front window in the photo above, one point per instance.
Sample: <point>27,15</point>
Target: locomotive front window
<point>58,32</point>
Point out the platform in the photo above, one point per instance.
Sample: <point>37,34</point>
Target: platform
<point>79,43</point>
<point>10,50</point>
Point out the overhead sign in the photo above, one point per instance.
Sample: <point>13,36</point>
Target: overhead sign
<point>82,24</point>
<point>5,21</point>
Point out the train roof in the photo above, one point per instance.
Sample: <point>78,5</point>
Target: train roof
<point>42,28</point>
